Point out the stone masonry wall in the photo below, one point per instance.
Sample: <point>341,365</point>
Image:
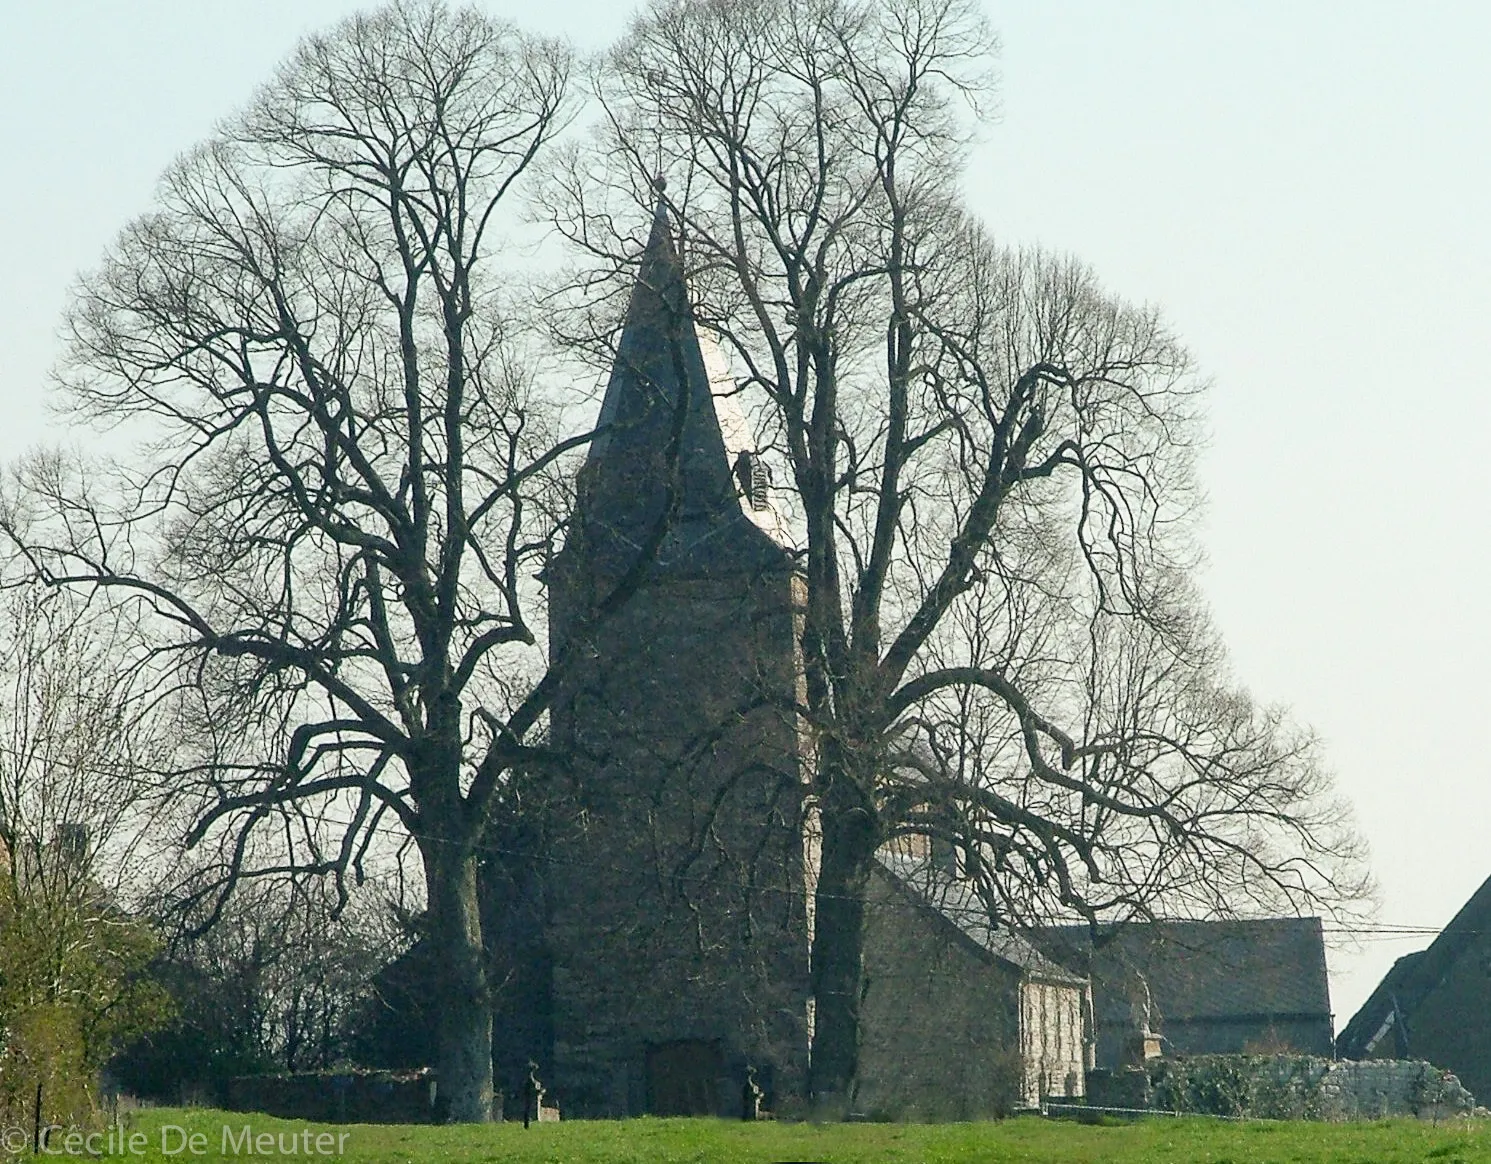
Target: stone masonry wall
<point>360,1097</point>
<point>1376,1089</point>
<point>1306,1087</point>
<point>940,1023</point>
<point>1052,1041</point>
<point>678,893</point>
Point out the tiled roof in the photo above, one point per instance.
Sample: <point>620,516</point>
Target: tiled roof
<point>955,902</point>
<point>1203,970</point>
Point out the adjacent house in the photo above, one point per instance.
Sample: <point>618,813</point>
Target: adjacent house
<point>1435,1004</point>
<point>960,1018</point>
<point>1205,987</point>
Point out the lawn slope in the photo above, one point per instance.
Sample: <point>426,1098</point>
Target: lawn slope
<point>167,1137</point>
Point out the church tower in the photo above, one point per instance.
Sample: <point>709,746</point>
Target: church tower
<point>677,891</point>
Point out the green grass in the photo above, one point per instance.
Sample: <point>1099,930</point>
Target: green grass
<point>1023,1139</point>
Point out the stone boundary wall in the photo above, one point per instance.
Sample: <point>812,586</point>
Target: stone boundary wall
<point>1294,1087</point>
<point>355,1097</point>
<point>1376,1088</point>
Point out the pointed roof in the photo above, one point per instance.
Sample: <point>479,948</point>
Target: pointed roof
<point>659,439</point>
<point>1413,978</point>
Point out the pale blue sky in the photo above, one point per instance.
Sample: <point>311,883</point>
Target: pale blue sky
<point>1302,187</point>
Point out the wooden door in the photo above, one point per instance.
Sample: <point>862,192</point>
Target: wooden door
<point>682,1077</point>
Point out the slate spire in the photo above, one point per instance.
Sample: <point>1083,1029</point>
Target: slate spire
<point>658,432</point>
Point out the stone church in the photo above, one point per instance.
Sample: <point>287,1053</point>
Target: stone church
<point>651,925</point>
<point>677,900</point>
<point>657,923</point>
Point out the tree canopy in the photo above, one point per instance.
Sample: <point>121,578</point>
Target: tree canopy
<point>348,480</point>
<point>990,460</point>
<point>352,473</point>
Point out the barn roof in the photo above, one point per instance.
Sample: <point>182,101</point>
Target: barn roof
<point>1413,976</point>
<point>1200,971</point>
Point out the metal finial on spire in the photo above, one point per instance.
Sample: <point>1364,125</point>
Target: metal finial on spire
<point>660,184</point>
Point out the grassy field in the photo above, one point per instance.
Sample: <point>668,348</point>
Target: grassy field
<point>165,1135</point>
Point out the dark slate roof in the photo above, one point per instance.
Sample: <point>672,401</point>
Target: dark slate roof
<point>954,902</point>
<point>1359,1039</point>
<point>658,425</point>
<point>1413,976</point>
<point>1199,971</point>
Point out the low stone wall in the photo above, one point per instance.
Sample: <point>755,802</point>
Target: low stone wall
<point>1306,1087</point>
<point>1376,1088</point>
<point>1277,1087</point>
<point>355,1097</point>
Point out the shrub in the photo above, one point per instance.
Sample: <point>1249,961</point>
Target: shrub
<point>1283,1087</point>
<point>74,985</point>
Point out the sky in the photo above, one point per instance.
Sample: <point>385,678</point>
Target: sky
<point>1300,187</point>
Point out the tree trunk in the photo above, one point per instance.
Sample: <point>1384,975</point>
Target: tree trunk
<point>838,949</point>
<point>459,991</point>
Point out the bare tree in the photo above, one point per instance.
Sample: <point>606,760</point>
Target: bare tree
<point>991,463</point>
<point>79,742</point>
<point>279,982</point>
<point>348,479</point>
